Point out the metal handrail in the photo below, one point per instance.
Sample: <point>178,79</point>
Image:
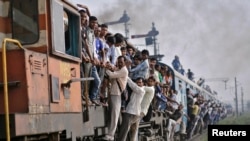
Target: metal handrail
<point>5,83</point>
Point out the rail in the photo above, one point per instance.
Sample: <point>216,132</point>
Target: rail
<point>67,84</point>
<point>5,83</point>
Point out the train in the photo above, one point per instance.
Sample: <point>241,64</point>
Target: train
<point>40,83</point>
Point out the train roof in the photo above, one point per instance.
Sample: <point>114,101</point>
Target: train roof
<point>184,78</point>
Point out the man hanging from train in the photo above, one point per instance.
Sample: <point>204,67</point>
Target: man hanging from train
<point>133,109</point>
<point>117,77</point>
<point>90,67</point>
<point>146,107</point>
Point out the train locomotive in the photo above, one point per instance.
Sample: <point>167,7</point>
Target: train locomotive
<point>40,89</point>
<point>42,93</point>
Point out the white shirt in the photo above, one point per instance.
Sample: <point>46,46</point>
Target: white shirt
<point>117,75</point>
<point>134,105</point>
<point>117,54</point>
<point>147,99</point>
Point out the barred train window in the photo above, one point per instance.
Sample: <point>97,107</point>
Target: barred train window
<point>65,24</point>
<point>24,17</point>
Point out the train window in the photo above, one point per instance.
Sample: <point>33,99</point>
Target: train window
<point>65,31</point>
<point>24,18</point>
<point>71,33</point>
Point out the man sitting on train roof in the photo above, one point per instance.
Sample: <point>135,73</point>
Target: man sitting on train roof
<point>190,75</point>
<point>176,63</point>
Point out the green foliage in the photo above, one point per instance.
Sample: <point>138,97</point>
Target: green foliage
<point>230,120</point>
<point>233,120</point>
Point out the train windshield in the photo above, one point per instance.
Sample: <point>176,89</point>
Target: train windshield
<point>25,21</point>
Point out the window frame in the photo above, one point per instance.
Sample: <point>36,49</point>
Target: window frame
<point>60,50</point>
<point>13,17</point>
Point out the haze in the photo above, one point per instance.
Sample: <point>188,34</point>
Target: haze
<point>210,37</point>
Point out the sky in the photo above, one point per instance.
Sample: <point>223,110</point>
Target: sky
<point>210,37</point>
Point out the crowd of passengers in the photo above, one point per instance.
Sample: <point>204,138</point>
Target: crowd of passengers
<point>132,85</point>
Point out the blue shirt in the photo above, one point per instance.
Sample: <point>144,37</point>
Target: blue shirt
<point>112,55</point>
<point>99,47</point>
<point>141,70</point>
<point>176,64</point>
<point>161,101</point>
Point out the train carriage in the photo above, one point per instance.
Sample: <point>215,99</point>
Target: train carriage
<point>181,83</point>
<point>41,100</point>
<point>40,89</point>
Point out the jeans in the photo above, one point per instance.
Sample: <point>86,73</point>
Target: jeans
<point>94,89</point>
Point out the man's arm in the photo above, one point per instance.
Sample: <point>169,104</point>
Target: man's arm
<point>117,74</point>
<point>135,87</point>
<point>85,7</point>
<point>139,67</point>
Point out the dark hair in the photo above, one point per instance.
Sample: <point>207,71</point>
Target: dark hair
<point>108,34</point>
<point>145,52</point>
<point>152,77</point>
<point>123,48</point>
<point>128,47</point>
<point>92,18</point>
<point>104,25</point>
<point>124,58</point>
<point>119,38</point>
<point>137,57</point>
<point>140,78</point>
<point>165,86</point>
<point>111,39</point>
<point>153,59</point>
<point>157,65</point>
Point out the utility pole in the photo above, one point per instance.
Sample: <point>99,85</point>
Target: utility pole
<point>242,101</point>
<point>126,24</point>
<point>236,98</point>
<point>154,32</point>
<point>123,19</point>
<point>151,38</point>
